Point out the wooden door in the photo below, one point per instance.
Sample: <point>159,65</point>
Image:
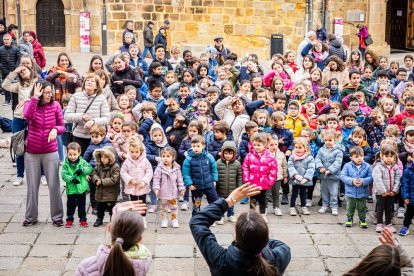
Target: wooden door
<point>397,23</point>
<point>50,23</point>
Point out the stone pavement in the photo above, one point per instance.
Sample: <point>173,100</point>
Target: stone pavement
<point>320,244</point>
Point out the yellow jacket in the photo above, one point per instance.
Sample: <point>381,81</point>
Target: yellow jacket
<point>296,124</point>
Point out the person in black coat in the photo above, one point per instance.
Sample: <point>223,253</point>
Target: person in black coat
<point>252,252</point>
<point>160,38</point>
<point>3,31</point>
<point>124,75</point>
<point>9,60</point>
<point>160,57</point>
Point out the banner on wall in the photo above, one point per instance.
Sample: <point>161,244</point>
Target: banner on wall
<point>338,26</point>
<point>85,32</point>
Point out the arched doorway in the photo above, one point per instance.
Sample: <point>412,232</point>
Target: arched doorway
<point>50,23</point>
<point>397,27</point>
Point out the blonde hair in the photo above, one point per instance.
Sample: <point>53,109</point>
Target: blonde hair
<point>257,112</point>
<point>277,116</point>
<point>137,143</point>
<point>383,101</point>
<point>302,141</point>
<point>330,132</point>
<point>392,130</point>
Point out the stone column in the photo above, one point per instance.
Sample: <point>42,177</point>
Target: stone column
<point>376,16</point>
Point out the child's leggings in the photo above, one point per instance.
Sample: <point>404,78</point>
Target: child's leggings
<point>169,204</point>
<point>141,197</point>
<point>384,205</point>
<point>275,193</point>
<point>260,199</point>
<point>301,191</point>
<point>329,191</point>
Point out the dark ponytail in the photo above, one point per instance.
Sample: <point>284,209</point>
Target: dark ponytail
<point>252,236</point>
<point>127,229</point>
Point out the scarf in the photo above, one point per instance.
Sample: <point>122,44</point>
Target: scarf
<point>320,56</point>
<point>61,79</point>
<point>297,157</point>
<point>408,146</point>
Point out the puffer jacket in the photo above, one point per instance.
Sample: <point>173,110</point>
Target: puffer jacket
<point>304,167</point>
<point>368,154</point>
<point>94,266</point>
<point>168,181</point>
<point>88,155</point>
<point>26,48</point>
<point>286,135</point>
<point>200,170</point>
<point>229,172</point>
<point>296,124</point>
<point>336,48</point>
<point>23,91</point>
<point>99,111</point>
<point>216,146</point>
<point>68,174</point>
<point>184,147</point>
<point>38,53</point>
<point>407,183</point>
<point>350,172</point>
<point>109,175</point>
<point>140,170</point>
<point>244,147</point>
<point>129,77</point>
<point>41,120</point>
<point>330,159</point>
<point>386,178</point>
<point>282,171</point>
<point>9,59</point>
<point>260,169</point>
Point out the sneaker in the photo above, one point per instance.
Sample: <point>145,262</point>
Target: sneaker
<point>69,224</point>
<point>98,223</point>
<point>349,222</point>
<point>43,180</point>
<point>278,212</point>
<point>370,200</point>
<point>184,206</point>
<point>404,231</point>
<point>309,203</point>
<point>363,224</point>
<point>334,211</point>
<point>292,211</point>
<point>94,211</point>
<point>400,212</point>
<point>232,219</point>
<point>391,228</point>
<point>378,228</point>
<point>175,223</point>
<point>29,223</point>
<point>305,211</point>
<point>5,103</point>
<point>84,224</point>
<point>58,223</point>
<point>18,181</point>
<point>152,209</point>
<point>322,210</point>
<point>244,200</point>
<point>285,200</point>
<point>221,221</point>
<point>164,223</point>
<point>265,218</point>
<point>181,199</point>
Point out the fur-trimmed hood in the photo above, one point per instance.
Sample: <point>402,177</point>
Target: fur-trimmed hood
<point>108,151</point>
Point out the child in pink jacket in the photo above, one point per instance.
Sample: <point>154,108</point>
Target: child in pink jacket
<point>136,172</point>
<point>259,168</point>
<point>168,185</point>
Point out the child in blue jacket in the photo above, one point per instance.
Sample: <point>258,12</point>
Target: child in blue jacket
<point>200,173</point>
<point>357,176</point>
<point>407,193</point>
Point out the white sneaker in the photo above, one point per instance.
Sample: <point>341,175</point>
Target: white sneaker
<point>232,219</point>
<point>334,211</point>
<point>400,212</point>
<point>145,223</point>
<point>152,209</point>
<point>164,223</point>
<point>221,221</point>
<point>265,218</point>
<point>175,223</point>
<point>305,211</point>
<point>278,212</point>
<point>309,203</point>
<point>43,180</point>
<point>293,211</point>
<point>184,206</point>
<point>18,181</point>
<point>322,210</point>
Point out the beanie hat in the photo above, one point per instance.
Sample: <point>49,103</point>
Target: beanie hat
<point>407,129</point>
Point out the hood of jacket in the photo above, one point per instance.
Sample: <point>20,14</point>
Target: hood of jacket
<point>110,152</point>
<point>229,145</point>
<point>164,141</point>
<point>335,43</point>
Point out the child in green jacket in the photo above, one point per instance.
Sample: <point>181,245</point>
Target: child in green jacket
<point>74,172</point>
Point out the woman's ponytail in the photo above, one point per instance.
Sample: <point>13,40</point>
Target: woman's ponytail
<point>117,262</point>
<point>263,267</point>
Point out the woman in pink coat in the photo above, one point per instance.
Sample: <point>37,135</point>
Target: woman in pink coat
<point>45,122</point>
<point>38,52</point>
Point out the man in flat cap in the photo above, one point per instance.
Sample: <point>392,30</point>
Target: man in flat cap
<point>222,52</point>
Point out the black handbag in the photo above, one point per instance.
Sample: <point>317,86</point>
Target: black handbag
<point>368,40</point>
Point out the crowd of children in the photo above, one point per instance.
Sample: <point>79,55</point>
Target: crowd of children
<point>211,125</point>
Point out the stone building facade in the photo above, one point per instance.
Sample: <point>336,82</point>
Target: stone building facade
<point>246,25</point>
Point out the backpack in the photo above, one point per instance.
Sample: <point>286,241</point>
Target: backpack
<point>18,144</point>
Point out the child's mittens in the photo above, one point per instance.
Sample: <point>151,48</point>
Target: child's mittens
<point>78,171</point>
<point>158,159</point>
<point>75,181</point>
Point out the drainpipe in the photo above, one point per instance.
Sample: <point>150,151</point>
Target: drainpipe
<point>104,30</point>
<point>307,16</point>
<point>323,13</point>
<point>4,12</point>
<point>19,19</point>
<point>310,15</point>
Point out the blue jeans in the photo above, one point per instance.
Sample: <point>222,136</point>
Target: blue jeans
<point>151,50</point>
<point>329,192</point>
<point>197,196</point>
<point>230,211</point>
<point>60,148</point>
<point>19,124</point>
